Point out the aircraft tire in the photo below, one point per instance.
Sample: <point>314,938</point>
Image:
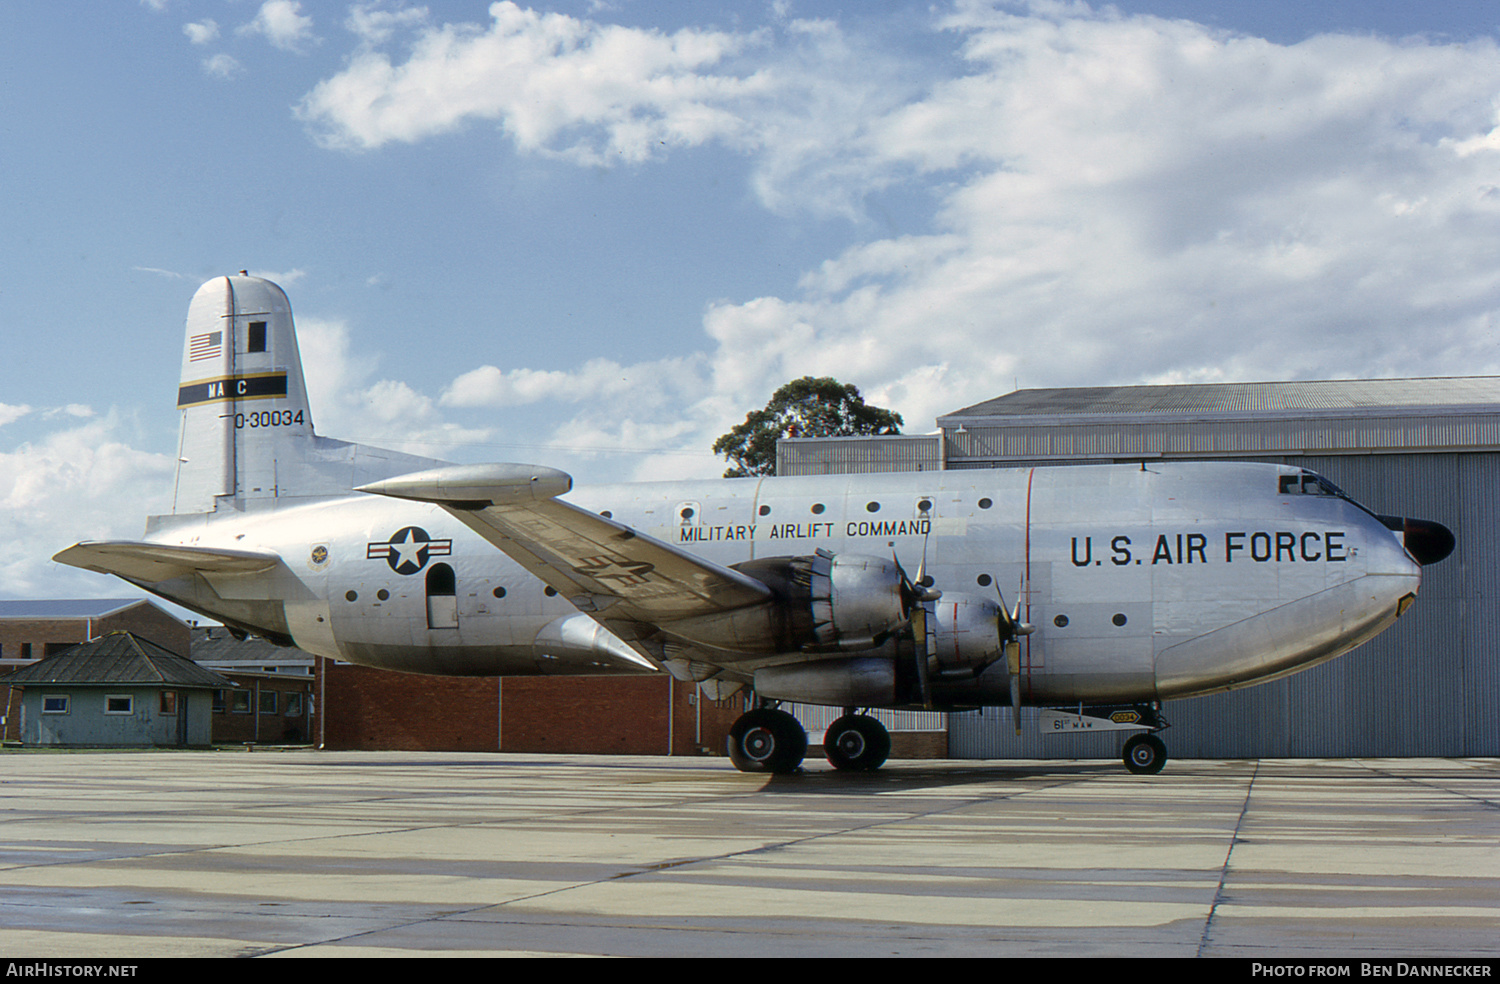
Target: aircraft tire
<point>766,740</point>
<point>1145,755</point>
<point>857,743</point>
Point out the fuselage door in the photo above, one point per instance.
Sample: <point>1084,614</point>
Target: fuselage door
<point>442,597</point>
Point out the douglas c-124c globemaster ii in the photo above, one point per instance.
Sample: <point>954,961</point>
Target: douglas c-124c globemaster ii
<point>1130,584</point>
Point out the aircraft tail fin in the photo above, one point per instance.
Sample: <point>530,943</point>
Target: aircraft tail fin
<point>247,435</point>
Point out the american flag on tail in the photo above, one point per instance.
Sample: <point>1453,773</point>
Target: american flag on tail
<point>205,346</point>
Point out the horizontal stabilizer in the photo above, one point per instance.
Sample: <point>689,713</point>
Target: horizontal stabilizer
<point>153,562</point>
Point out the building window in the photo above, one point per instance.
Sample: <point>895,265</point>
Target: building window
<point>119,704</point>
<point>168,702</point>
<point>219,702</point>
<point>55,705</point>
<point>293,705</point>
<point>268,702</point>
<point>239,702</point>
<point>25,650</point>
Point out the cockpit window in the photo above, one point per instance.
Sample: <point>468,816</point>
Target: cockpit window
<point>1309,483</point>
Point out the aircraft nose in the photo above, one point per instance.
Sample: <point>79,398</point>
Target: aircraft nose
<point>1426,541</point>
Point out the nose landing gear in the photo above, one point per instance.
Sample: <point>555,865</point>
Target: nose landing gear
<point>1145,755</point>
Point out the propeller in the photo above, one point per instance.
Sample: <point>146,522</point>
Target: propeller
<point>916,596</point>
<point>1011,631</point>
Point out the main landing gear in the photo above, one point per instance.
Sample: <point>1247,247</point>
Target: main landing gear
<point>771,740</point>
<point>856,743</point>
<point>767,740</point>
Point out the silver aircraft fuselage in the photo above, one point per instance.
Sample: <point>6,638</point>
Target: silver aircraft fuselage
<point>1143,583</point>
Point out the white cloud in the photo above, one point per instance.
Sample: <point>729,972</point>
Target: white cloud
<point>596,380</point>
<point>542,77</point>
<point>375,23</point>
<point>1144,200</point>
<point>1120,199</point>
<point>348,405</point>
<point>201,32</point>
<point>10,413</point>
<point>282,23</point>
<point>81,482</point>
<point>222,66</point>
<point>596,93</point>
<point>169,274</point>
<point>281,277</point>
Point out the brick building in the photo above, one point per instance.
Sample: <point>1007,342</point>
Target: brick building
<point>30,630</point>
<point>363,708</point>
<point>271,702</point>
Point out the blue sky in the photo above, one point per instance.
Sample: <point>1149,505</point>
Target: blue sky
<point>595,234</point>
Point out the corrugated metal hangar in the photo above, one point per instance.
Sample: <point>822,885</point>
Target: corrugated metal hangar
<point>1427,448</point>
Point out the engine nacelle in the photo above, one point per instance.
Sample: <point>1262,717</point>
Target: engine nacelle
<point>966,634</point>
<point>859,681</point>
<point>835,602</point>
<point>821,603</point>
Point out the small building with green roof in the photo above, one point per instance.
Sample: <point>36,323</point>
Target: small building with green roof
<point>117,690</point>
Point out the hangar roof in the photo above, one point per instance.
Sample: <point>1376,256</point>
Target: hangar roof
<point>1346,416</point>
<point>1452,394</point>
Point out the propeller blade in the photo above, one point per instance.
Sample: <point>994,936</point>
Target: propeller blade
<point>1011,632</point>
<point>920,625</point>
<point>1013,666</point>
<point>915,597</point>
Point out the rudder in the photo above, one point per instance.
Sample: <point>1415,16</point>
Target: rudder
<point>242,395</point>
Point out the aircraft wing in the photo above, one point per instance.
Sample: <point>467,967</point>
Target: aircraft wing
<point>601,566</point>
<point>153,562</point>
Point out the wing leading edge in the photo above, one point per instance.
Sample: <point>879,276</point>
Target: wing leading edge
<point>603,567</point>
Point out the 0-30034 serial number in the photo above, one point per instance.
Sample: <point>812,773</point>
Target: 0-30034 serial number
<point>267,418</point>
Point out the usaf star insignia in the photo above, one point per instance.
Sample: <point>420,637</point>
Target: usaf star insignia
<point>408,550</point>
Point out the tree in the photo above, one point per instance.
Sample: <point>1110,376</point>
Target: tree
<point>805,407</point>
